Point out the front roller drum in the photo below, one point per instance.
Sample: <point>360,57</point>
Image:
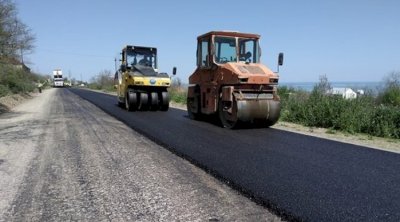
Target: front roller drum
<point>257,112</point>
<point>274,112</point>
<point>265,112</point>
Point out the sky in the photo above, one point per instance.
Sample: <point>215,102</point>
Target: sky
<point>356,40</point>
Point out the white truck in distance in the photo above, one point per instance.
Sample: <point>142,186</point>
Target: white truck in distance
<point>57,78</point>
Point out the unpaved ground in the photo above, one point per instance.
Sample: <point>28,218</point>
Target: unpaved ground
<point>63,159</point>
<point>8,102</point>
<point>391,145</point>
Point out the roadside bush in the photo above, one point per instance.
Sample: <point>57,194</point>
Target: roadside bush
<point>103,81</point>
<point>18,84</point>
<point>95,86</point>
<point>293,107</point>
<point>356,115</point>
<point>365,114</point>
<point>178,94</point>
<point>4,90</point>
<point>321,111</point>
<point>385,122</point>
<point>284,92</point>
<point>14,80</point>
<point>390,95</point>
<point>393,96</point>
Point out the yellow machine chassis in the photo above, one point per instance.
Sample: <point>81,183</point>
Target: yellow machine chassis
<point>148,81</point>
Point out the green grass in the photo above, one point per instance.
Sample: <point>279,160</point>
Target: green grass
<point>362,115</point>
<point>330,131</point>
<point>14,80</point>
<point>178,94</point>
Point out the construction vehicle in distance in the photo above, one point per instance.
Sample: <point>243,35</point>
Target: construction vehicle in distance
<point>230,81</point>
<point>58,80</point>
<point>139,84</point>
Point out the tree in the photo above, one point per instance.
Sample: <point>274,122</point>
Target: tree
<point>323,86</point>
<point>103,80</point>
<point>177,82</point>
<point>391,92</point>
<point>16,38</point>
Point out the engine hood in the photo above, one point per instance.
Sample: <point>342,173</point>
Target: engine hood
<point>243,69</point>
<point>253,73</point>
<point>146,71</point>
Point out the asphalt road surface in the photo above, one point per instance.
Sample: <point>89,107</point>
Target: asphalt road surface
<point>63,159</point>
<point>297,176</point>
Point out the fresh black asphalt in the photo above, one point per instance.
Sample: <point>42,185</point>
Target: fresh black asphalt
<point>299,177</point>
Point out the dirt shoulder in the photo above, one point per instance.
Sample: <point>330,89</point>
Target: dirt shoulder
<point>11,101</point>
<point>386,144</point>
<point>20,128</point>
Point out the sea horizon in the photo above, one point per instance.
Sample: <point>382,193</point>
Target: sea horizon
<point>355,85</point>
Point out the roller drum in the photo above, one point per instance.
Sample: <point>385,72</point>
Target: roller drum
<point>253,110</point>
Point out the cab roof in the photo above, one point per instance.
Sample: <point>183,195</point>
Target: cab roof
<point>230,34</point>
<point>132,47</point>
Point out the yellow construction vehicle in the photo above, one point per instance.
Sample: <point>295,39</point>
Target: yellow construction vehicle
<point>139,84</point>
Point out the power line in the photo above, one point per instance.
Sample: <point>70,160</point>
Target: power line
<point>75,54</point>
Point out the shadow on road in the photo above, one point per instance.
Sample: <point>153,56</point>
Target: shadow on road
<point>214,120</point>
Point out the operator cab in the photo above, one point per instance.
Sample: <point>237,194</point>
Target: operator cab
<point>139,57</point>
<point>224,47</point>
<point>234,49</point>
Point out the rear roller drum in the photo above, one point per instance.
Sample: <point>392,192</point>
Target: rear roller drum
<point>143,101</point>
<point>193,107</point>
<point>164,101</point>
<point>131,101</point>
